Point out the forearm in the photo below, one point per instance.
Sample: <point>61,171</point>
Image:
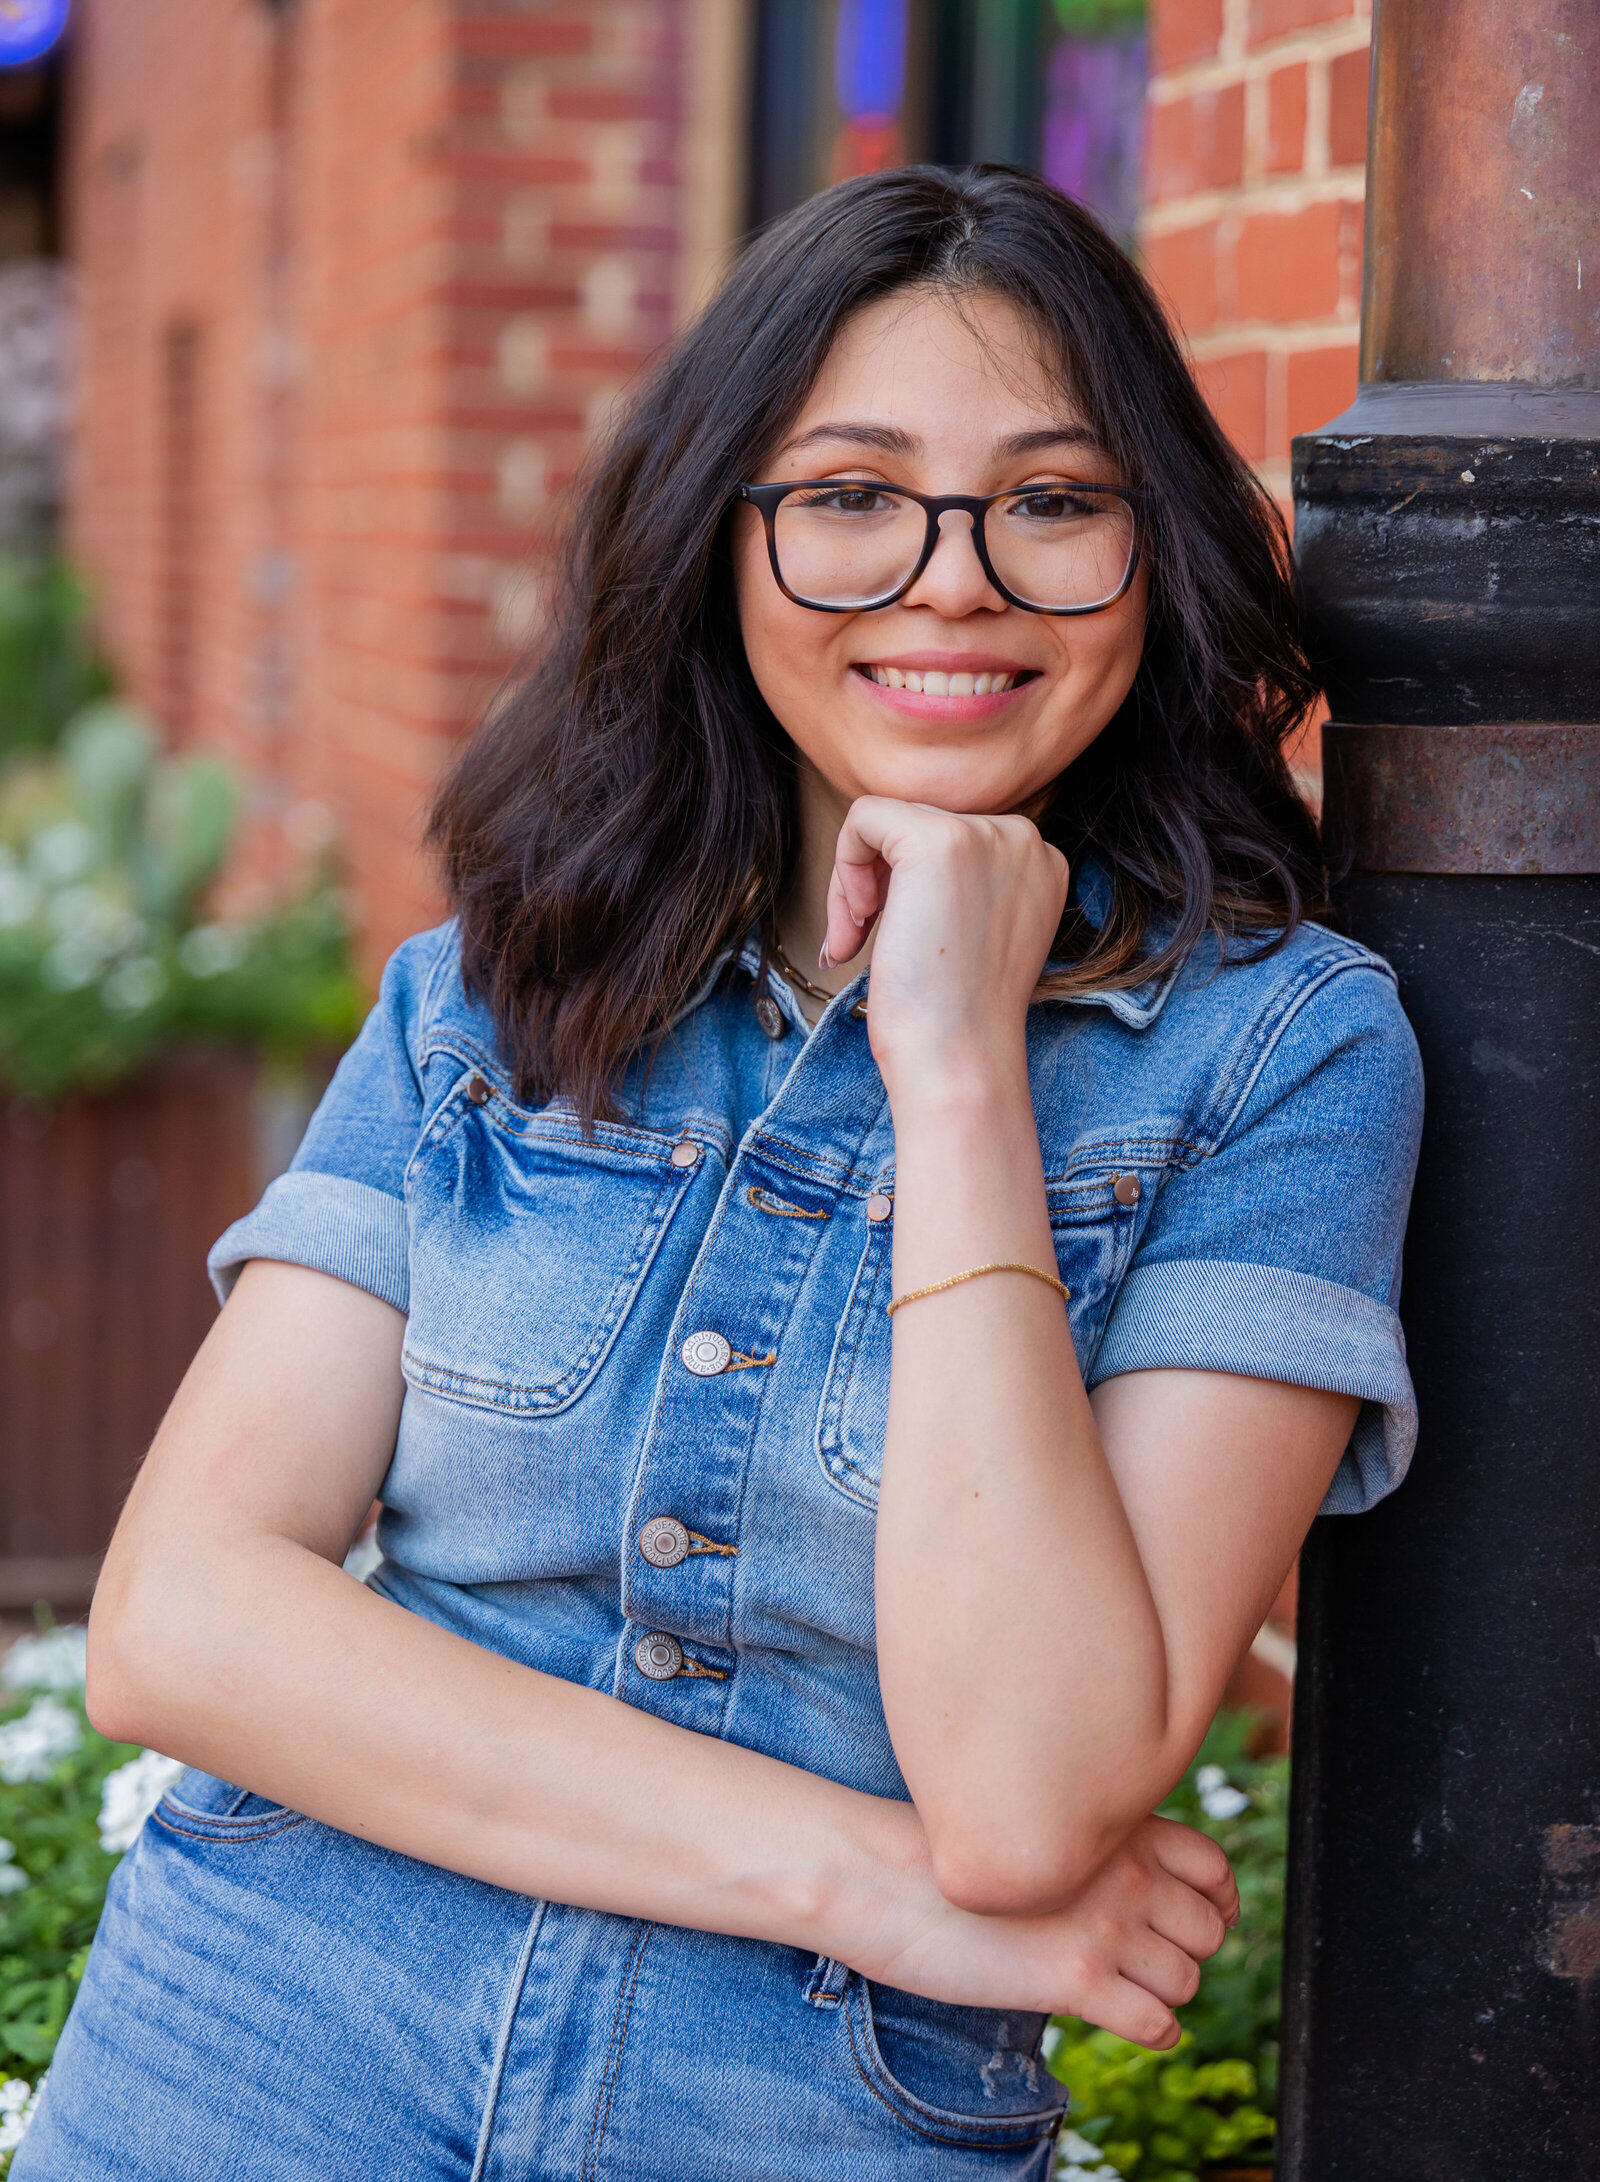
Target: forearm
<point>1022,1658</point>
<point>267,1665</point>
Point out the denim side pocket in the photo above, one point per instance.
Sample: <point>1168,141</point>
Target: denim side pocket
<point>967,2076</point>
<point>201,1807</point>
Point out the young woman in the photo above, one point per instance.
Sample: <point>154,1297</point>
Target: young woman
<point>836,1432</point>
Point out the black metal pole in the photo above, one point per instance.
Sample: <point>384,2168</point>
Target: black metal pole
<point>1442,1983</point>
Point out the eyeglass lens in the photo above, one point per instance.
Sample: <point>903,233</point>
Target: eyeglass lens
<point>848,545</point>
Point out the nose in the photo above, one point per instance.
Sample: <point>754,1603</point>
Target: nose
<point>953,583</point>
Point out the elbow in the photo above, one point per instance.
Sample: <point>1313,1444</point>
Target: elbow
<point>1025,1871</point>
<point>133,1661</point>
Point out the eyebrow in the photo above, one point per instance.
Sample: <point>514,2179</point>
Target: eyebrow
<point>888,439</point>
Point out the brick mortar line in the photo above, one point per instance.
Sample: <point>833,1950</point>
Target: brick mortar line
<point>1220,72</point>
<point>1251,336</point>
<point>1290,193</point>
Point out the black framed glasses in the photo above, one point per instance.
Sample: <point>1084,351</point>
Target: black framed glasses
<point>849,545</point>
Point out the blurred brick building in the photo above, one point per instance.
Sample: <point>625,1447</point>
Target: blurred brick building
<point>358,279</point>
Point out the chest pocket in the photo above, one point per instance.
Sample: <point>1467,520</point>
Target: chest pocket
<point>1093,1234</point>
<point>528,1247</point>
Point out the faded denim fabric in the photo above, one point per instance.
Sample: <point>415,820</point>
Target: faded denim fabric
<point>271,1999</point>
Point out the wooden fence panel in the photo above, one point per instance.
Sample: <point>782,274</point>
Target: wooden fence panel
<point>107,1208</point>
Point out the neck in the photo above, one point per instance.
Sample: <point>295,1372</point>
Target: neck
<point>803,913</point>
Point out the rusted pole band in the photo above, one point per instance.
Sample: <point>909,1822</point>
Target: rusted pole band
<point>1499,801</point>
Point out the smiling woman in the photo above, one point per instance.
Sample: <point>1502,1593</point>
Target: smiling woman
<point>835,1433</point>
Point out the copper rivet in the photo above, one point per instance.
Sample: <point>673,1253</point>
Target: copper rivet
<point>685,1154</point>
<point>860,1009</point>
<point>478,1091</point>
<point>771,1017</point>
<point>1125,1189</point>
<point>879,1206</point>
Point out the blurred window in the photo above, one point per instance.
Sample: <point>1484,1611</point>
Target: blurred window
<point>852,86</point>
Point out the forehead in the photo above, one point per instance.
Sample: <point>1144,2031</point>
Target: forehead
<point>930,363</point>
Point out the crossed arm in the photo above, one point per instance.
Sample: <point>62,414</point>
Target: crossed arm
<point>1063,1584</point>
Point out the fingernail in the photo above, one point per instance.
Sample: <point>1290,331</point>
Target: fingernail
<point>824,959</point>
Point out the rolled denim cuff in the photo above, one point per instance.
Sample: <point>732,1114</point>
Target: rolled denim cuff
<point>1264,1323</point>
<point>328,1223</point>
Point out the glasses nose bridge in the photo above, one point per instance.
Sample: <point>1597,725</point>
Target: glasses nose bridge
<point>952,515</point>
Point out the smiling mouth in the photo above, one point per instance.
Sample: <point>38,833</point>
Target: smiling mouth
<point>933,682</point>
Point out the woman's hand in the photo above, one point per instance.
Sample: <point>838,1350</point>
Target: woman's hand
<point>1123,1955</point>
<point>968,909</point>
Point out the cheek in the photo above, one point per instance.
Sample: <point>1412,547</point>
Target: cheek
<point>789,650</point>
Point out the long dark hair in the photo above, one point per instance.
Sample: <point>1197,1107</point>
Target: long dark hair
<point>630,809</point>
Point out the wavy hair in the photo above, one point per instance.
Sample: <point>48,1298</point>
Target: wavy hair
<point>630,809</point>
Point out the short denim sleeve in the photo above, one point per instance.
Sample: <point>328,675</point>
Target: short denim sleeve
<point>1278,1255</point>
<point>340,1208</point>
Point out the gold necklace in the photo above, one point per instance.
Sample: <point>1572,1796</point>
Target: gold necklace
<point>815,992</point>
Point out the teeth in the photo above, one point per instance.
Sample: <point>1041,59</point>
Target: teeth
<point>936,684</point>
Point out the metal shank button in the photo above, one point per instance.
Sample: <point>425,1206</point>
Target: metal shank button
<point>879,1206</point>
<point>705,1354</point>
<point>664,1541</point>
<point>658,1656</point>
<point>686,1153</point>
<point>1125,1189</point>
<point>478,1091</point>
<point>771,1017</point>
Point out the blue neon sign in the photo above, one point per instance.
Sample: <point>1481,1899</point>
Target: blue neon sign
<point>869,57</point>
<point>29,28</point>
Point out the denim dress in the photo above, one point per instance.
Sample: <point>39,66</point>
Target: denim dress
<point>647,1378</point>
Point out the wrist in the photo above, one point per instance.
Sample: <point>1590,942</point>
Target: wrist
<point>862,1905</point>
<point>957,1087</point>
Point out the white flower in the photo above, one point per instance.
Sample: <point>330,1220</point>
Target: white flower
<point>62,852</point>
<point>1218,1797</point>
<point>364,1556</point>
<point>30,1747</point>
<point>72,963</point>
<point>212,948</point>
<point>19,898</point>
<point>19,2102</point>
<point>134,985</point>
<point>54,1660</point>
<point>130,1794</point>
<point>1085,2162</point>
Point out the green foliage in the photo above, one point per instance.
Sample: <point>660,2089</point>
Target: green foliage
<point>1165,2117</point>
<point>61,1832</point>
<point>49,665</point>
<point>106,851</point>
<point>1098,18</point>
<point>46,1926</point>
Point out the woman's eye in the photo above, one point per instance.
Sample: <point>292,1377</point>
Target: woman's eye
<point>1055,506</point>
<point>846,500</point>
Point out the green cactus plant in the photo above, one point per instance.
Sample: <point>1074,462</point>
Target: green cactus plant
<point>107,851</point>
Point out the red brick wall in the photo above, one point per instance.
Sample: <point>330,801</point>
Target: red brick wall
<point>1253,191</point>
<point>401,254</point>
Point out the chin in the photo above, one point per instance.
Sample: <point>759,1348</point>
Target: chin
<point>950,780</point>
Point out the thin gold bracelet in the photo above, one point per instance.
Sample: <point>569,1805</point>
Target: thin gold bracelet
<point>975,1272</point>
